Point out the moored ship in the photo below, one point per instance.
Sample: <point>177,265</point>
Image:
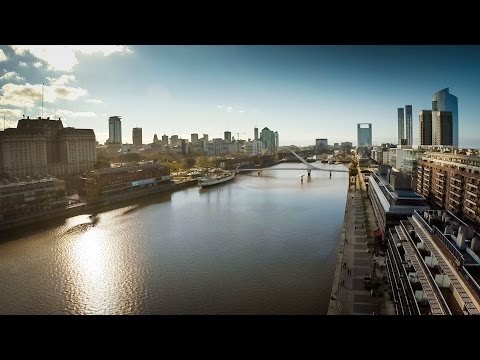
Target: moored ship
<point>215,180</point>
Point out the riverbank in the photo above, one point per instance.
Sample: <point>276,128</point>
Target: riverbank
<point>351,294</point>
<point>84,208</point>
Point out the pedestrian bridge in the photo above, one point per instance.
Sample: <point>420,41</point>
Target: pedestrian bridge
<point>309,167</point>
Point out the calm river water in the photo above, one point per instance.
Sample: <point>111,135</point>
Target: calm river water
<point>258,245</point>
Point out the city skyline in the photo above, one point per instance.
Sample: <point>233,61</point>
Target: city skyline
<point>303,92</point>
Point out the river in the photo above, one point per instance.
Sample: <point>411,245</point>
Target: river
<point>258,245</point>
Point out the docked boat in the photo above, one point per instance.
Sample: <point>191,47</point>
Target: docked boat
<point>214,180</point>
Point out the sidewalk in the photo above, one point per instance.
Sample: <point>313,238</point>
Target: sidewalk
<point>355,258</point>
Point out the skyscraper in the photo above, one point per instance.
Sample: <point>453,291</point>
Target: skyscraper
<point>442,100</point>
<point>114,130</point>
<point>364,135</point>
<point>137,136</point>
<point>227,136</point>
<point>408,123</point>
<point>255,132</point>
<point>193,138</point>
<point>442,128</point>
<point>165,139</point>
<point>425,127</point>
<point>401,125</point>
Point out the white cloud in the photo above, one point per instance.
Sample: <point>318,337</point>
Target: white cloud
<point>28,95</point>
<point>10,76</point>
<point>63,57</point>
<point>22,64</point>
<point>11,117</point>
<point>72,114</point>
<point>3,57</point>
<point>62,80</point>
<point>38,64</point>
<point>224,108</point>
<point>94,101</point>
<point>10,112</point>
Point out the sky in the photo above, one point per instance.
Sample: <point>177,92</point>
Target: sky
<point>303,92</point>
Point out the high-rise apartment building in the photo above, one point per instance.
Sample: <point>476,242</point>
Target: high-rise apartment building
<point>442,100</point>
<point>165,139</point>
<point>401,125</point>
<point>137,136</point>
<point>194,138</point>
<point>408,123</point>
<point>364,135</point>
<point>114,130</point>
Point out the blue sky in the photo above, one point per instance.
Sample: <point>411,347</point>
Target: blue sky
<point>303,92</point>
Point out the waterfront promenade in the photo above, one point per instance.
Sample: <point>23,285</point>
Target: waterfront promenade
<point>356,260</point>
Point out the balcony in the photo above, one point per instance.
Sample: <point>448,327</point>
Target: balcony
<point>456,187</point>
<point>440,180</point>
<point>456,179</point>
<point>455,193</point>
<point>452,199</point>
<point>472,186</point>
<point>472,194</point>
<point>473,203</point>
<point>469,211</point>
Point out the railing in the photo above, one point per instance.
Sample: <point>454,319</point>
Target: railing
<point>452,248</point>
<point>471,281</point>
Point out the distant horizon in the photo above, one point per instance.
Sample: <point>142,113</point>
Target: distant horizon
<point>303,92</point>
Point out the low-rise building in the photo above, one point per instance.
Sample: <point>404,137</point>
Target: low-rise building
<point>109,182</point>
<point>433,265</point>
<point>392,203</point>
<point>27,198</point>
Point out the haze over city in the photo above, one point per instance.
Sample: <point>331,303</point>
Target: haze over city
<point>303,92</point>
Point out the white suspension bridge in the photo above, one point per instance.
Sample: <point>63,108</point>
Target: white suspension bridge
<point>309,167</point>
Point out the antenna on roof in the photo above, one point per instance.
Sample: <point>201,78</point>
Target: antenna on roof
<point>42,99</point>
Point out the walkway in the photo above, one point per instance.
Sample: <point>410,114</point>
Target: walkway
<point>355,260</point>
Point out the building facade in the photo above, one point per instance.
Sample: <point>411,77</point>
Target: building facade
<point>442,100</point>
<point>364,135</point>
<point>43,147</point>
<point>114,130</point>
<point>451,181</point>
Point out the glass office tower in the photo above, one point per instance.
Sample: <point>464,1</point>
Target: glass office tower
<point>364,135</point>
<point>408,123</point>
<point>442,100</point>
<point>401,125</point>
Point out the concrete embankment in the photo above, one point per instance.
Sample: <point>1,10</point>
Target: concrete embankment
<point>110,202</point>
